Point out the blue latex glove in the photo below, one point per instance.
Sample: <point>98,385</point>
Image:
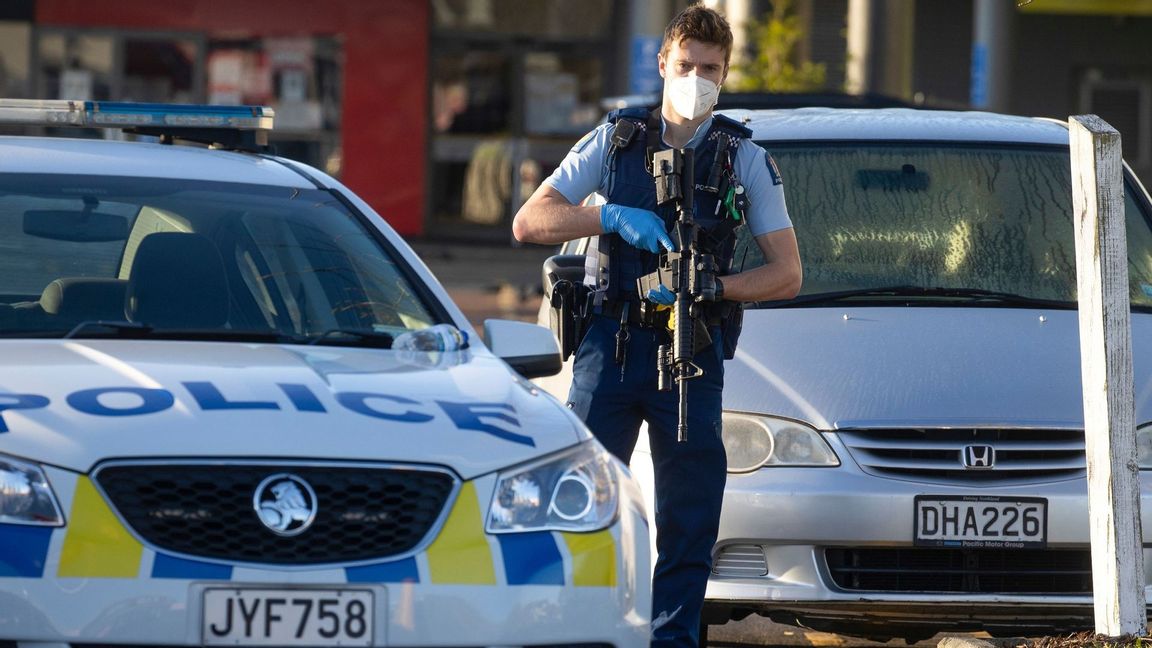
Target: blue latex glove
<point>639,227</point>
<point>661,295</point>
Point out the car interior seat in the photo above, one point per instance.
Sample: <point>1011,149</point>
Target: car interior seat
<point>177,281</point>
<point>71,300</point>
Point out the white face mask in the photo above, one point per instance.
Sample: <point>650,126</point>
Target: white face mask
<point>692,96</point>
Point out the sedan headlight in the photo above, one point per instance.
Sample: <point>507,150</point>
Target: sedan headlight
<point>1144,447</point>
<point>573,491</point>
<point>753,441</point>
<point>25,497</point>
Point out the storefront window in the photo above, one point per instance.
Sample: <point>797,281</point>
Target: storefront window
<point>299,77</point>
<point>15,41</point>
<point>539,18</point>
<point>159,70</point>
<point>561,93</point>
<point>472,93</point>
<point>103,67</point>
<point>487,146</point>
<point>514,84</point>
<point>76,66</point>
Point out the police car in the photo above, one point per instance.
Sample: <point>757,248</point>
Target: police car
<point>236,409</point>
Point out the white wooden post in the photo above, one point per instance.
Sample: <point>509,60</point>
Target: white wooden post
<point>1106,369</point>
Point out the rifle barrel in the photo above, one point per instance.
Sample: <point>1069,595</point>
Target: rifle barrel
<point>682,424</point>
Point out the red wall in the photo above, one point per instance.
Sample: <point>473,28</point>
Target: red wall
<point>385,75</point>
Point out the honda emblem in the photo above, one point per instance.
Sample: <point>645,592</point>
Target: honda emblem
<point>979,457</point>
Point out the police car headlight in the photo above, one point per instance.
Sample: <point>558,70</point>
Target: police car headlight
<point>573,491</point>
<point>25,497</point>
<point>752,442</point>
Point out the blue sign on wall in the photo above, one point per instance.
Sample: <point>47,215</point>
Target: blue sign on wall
<point>978,91</point>
<point>645,73</point>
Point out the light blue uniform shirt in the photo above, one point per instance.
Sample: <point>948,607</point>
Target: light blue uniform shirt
<point>585,171</point>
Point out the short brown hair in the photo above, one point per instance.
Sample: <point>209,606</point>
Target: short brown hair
<point>700,24</point>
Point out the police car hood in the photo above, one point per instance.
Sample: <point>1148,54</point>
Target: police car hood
<point>843,367</point>
<point>74,403</point>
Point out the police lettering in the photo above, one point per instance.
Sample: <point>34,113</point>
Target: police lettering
<point>495,419</point>
<point>359,402</point>
<point>19,401</point>
<point>149,401</point>
<point>469,416</point>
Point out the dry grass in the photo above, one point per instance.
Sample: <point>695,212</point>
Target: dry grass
<point>1087,639</point>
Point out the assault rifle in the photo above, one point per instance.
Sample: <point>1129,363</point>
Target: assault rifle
<point>689,273</point>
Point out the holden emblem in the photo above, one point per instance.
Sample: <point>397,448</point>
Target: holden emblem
<point>286,504</point>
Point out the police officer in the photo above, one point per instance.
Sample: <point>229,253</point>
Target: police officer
<point>614,384</point>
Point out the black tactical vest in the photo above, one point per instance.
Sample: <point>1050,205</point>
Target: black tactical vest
<point>636,136</point>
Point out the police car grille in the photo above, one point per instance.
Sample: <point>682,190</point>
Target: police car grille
<point>971,571</point>
<point>206,510</point>
<point>938,455</point>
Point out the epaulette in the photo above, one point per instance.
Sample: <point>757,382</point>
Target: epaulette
<point>731,126</point>
<point>635,112</point>
<point>627,122</point>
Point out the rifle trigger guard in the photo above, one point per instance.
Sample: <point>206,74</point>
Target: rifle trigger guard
<point>686,371</point>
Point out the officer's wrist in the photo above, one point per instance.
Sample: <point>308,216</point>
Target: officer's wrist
<point>605,215</point>
<point>719,289</point>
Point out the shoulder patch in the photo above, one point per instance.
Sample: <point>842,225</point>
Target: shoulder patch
<point>773,170</point>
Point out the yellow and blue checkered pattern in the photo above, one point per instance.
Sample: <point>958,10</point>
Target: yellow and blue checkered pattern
<point>96,545</point>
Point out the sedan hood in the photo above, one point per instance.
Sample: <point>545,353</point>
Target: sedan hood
<point>73,403</point>
<point>838,368</point>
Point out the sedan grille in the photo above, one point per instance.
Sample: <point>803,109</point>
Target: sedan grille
<point>966,456</point>
<point>207,510</point>
<point>969,571</point>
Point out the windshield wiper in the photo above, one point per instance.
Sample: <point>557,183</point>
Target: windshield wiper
<point>84,329</point>
<point>142,331</point>
<point>119,329</point>
<point>360,337</point>
<point>122,329</point>
<point>965,294</point>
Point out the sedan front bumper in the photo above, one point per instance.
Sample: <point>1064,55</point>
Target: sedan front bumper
<point>833,549</point>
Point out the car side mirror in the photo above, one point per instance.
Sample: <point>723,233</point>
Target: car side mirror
<point>530,349</point>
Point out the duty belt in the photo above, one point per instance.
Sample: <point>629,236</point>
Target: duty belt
<point>651,317</point>
<point>648,317</point>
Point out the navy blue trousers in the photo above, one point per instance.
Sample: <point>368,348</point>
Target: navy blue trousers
<point>613,400</point>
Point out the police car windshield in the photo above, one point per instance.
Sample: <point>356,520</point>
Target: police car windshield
<point>249,262</point>
<point>949,223</point>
